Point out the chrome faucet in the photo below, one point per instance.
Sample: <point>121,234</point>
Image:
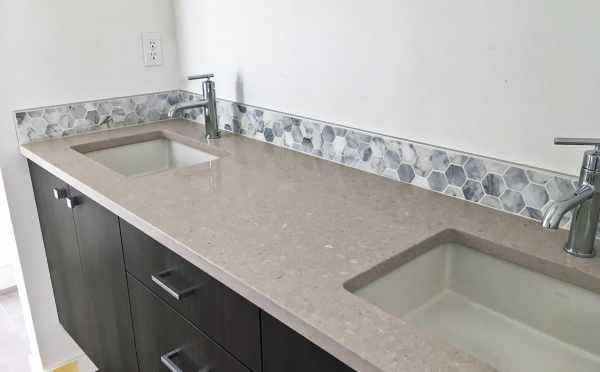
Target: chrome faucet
<point>209,104</point>
<point>585,202</point>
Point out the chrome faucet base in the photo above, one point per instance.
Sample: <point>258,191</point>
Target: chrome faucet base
<point>585,203</point>
<point>578,253</point>
<point>208,104</point>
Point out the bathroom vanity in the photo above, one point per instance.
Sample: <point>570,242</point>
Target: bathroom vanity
<point>119,294</point>
<point>235,255</point>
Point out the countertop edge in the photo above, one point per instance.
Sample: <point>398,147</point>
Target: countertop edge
<point>297,324</point>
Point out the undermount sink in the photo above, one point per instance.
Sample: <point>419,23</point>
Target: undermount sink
<point>145,154</point>
<point>507,316</point>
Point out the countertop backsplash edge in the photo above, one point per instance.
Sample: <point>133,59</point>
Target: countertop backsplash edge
<point>497,184</point>
<point>502,185</point>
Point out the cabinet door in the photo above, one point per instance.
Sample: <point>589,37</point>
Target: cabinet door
<point>101,253</point>
<point>167,342</point>
<point>286,350</point>
<point>62,253</point>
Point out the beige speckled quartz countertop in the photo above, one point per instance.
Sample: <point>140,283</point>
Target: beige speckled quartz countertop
<point>286,231</point>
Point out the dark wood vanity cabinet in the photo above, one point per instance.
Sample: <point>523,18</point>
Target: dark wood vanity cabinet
<point>85,258</point>
<point>286,350</point>
<point>134,305</point>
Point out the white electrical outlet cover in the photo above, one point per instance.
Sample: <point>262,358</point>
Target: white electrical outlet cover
<point>152,48</point>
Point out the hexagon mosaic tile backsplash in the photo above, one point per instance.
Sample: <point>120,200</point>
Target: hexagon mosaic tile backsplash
<point>505,186</point>
<point>77,118</point>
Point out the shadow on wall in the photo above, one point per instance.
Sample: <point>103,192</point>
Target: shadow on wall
<point>239,88</point>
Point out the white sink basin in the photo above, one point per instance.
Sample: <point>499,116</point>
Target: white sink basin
<point>509,317</point>
<point>137,156</point>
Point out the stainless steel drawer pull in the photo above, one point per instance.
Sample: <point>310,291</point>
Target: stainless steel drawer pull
<point>72,202</point>
<point>175,293</point>
<point>167,361</point>
<point>59,193</point>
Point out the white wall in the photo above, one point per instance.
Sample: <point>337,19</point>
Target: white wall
<point>63,51</point>
<point>6,238</point>
<point>497,78</point>
<point>7,244</point>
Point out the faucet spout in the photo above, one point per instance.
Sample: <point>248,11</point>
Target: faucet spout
<point>187,106</point>
<point>585,202</point>
<point>557,210</point>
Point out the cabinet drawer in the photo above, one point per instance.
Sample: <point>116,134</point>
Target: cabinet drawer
<point>222,314</point>
<point>166,341</point>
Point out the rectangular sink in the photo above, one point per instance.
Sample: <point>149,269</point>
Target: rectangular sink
<point>509,317</point>
<point>145,154</point>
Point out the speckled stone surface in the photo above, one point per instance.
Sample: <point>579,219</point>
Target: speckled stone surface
<point>287,231</point>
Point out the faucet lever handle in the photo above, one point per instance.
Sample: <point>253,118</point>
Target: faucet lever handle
<point>579,141</point>
<point>591,159</point>
<point>201,77</point>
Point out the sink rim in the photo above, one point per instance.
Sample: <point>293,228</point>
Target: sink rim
<point>530,261</point>
<point>85,148</point>
<point>139,138</point>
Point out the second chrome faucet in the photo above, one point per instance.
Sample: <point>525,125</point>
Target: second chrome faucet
<point>209,104</point>
<point>585,202</point>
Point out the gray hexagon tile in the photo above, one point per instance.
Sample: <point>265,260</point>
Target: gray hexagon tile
<point>456,175</point>
<point>560,188</point>
<point>475,168</point>
<point>406,173</point>
<point>392,159</point>
<point>512,201</point>
<point>535,196</point>
<point>493,184</point>
<point>437,181</point>
<point>516,178</point>
<point>439,160</point>
<point>473,190</point>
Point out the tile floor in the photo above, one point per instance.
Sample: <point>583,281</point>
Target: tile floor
<point>14,347</point>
